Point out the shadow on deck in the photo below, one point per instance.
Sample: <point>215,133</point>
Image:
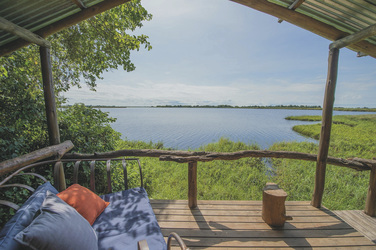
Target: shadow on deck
<point>238,224</point>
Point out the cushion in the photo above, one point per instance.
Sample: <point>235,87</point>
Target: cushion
<point>23,217</point>
<point>58,227</point>
<point>87,203</point>
<point>128,219</point>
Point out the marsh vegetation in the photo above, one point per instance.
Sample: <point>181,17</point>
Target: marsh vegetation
<point>352,136</point>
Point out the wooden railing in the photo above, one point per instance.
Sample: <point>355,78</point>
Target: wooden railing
<point>59,176</point>
<point>192,158</point>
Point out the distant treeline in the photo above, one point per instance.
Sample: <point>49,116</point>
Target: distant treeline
<point>311,107</point>
<point>242,107</point>
<point>364,109</point>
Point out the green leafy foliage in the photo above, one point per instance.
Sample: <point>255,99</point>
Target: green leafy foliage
<point>89,129</point>
<point>16,195</point>
<point>22,123</point>
<point>98,44</point>
<point>81,53</point>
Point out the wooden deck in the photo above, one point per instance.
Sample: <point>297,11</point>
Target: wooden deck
<point>238,224</point>
<point>360,221</point>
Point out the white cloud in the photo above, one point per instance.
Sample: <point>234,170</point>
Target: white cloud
<point>220,52</point>
<point>160,93</point>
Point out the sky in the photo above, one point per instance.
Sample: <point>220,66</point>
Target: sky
<point>213,52</point>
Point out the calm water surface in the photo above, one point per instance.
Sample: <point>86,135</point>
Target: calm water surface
<point>184,128</point>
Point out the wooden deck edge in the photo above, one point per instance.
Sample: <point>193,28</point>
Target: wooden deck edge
<point>363,223</point>
<point>228,202</point>
<point>238,225</point>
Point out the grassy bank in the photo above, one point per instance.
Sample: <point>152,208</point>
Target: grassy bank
<point>352,136</point>
<point>217,180</point>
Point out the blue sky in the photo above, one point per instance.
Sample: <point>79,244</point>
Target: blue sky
<point>219,52</point>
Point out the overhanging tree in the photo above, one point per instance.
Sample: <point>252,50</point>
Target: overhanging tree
<point>81,53</point>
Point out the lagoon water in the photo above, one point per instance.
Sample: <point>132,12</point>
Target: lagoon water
<point>190,128</point>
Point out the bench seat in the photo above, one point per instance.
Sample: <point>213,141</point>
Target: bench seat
<point>128,219</point>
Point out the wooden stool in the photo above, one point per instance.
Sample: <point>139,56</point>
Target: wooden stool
<point>273,205</point>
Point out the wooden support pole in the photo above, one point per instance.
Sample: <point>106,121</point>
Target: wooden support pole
<point>326,125</point>
<point>49,96</point>
<point>59,177</point>
<point>370,208</point>
<point>192,184</point>
<point>92,176</point>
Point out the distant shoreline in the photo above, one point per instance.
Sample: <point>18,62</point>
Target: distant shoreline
<point>295,107</point>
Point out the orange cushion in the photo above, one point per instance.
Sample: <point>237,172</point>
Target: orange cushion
<point>87,203</point>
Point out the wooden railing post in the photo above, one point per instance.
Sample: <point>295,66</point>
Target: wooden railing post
<point>192,184</point>
<point>59,177</point>
<point>326,126</point>
<point>49,96</point>
<point>370,208</point>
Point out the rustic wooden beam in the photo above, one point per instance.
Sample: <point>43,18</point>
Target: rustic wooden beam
<point>56,151</point>
<point>23,33</point>
<point>356,164</point>
<point>192,184</point>
<point>370,208</point>
<point>80,4</point>
<point>49,96</point>
<point>64,23</point>
<point>189,156</point>
<point>308,23</point>
<point>326,126</point>
<point>132,152</point>
<point>293,6</point>
<point>354,38</point>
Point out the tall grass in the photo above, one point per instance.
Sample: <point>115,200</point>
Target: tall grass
<point>352,136</point>
<point>217,180</point>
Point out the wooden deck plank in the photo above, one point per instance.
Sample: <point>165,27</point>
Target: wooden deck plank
<point>194,233</point>
<point>231,212</point>
<point>360,221</point>
<point>212,225</point>
<point>265,248</point>
<point>232,224</point>
<point>229,202</point>
<point>230,207</point>
<point>277,242</point>
<point>239,219</point>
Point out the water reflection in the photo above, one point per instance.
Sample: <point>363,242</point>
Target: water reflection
<point>184,128</point>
